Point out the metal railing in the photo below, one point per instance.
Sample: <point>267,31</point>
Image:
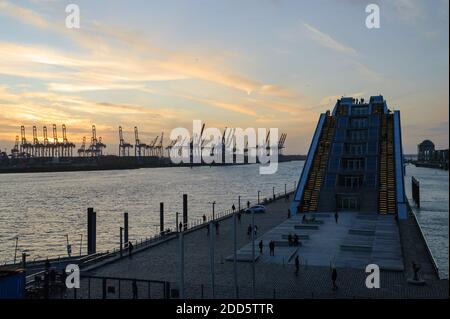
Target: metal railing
<point>422,235</point>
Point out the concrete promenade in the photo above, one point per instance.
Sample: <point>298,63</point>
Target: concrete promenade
<point>273,279</point>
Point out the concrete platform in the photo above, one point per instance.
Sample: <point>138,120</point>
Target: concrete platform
<point>355,241</point>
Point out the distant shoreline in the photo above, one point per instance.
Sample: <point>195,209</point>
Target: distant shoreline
<point>75,164</point>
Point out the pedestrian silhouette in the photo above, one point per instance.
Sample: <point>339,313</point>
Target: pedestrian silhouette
<point>261,245</point>
<point>272,248</point>
<point>130,249</point>
<point>334,278</point>
<point>180,226</point>
<point>233,208</point>
<point>297,265</point>
<point>248,204</point>
<point>336,217</point>
<point>204,218</point>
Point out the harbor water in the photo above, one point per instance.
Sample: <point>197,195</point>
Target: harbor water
<point>433,213</point>
<point>42,208</point>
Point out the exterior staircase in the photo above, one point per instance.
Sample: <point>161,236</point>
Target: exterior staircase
<point>387,190</point>
<point>316,176</point>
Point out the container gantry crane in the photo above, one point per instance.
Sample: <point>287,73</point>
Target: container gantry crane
<point>124,147</point>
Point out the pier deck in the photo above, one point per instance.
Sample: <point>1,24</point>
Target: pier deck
<point>161,262</point>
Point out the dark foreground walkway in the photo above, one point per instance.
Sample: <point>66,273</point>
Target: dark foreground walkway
<point>272,280</point>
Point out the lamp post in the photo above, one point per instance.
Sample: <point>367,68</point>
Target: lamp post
<point>235,250</point>
<point>81,243</point>
<point>253,253</point>
<point>213,210</point>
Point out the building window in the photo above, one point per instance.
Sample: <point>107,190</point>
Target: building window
<point>360,110</point>
<point>353,164</point>
<point>358,122</point>
<point>348,202</point>
<point>356,149</point>
<point>358,135</point>
<point>351,182</point>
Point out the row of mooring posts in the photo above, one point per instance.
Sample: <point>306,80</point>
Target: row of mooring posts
<point>124,231</point>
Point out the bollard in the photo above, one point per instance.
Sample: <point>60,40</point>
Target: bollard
<point>92,230</point>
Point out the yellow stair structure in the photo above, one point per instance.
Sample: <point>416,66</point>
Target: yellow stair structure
<point>316,176</point>
<point>387,190</point>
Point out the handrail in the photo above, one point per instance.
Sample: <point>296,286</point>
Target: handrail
<point>86,260</point>
<point>430,254</point>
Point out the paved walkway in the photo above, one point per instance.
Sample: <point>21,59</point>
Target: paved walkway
<point>272,279</point>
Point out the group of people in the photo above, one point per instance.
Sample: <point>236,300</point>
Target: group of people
<point>293,240</point>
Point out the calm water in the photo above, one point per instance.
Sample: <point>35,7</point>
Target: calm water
<point>433,214</point>
<point>42,208</point>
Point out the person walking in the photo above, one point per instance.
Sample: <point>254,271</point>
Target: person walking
<point>261,245</point>
<point>130,249</point>
<point>248,204</point>
<point>233,208</point>
<point>272,248</point>
<point>204,218</point>
<point>336,217</point>
<point>180,226</point>
<point>334,278</point>
<point>297,265</point>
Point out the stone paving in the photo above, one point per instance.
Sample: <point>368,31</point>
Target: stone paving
<point>278,280</point>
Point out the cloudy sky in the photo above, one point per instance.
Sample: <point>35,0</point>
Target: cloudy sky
<point>161,64</point>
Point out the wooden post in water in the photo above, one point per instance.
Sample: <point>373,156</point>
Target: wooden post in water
<point>92,230</point>
<point>185,211</point>
<point>125,228</point>
<point>415,185</point>
<point>121,241</point>
<point>161,217</point>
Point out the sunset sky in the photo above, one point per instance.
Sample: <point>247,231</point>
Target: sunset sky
<point>161,64</point>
